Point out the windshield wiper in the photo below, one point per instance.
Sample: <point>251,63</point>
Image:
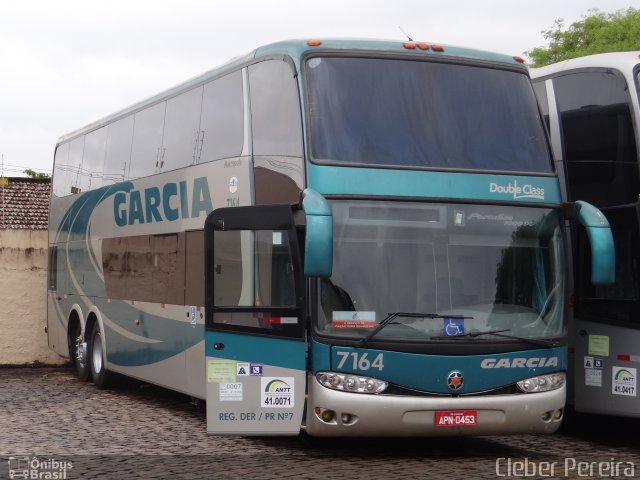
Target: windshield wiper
<point>538,342</point>
<point>392,316</point>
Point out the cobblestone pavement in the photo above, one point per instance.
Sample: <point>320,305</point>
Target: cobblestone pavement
<point>54,426</point>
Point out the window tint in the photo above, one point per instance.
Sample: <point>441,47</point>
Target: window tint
<point>182,122</point>
<point>253,268</point>
<point>52,273</point>
<point>119,137</point>
<point>599,144</point>
<point>275,110</point>
<point>540,90</point>
<point>194,264</point>
<point>619,302</point>
<point>147,268</point>
<point>147,152</point>
<point>222,122</point>
<point>76,149</point>
<point>61,170</point>
<point>93,160</point>
<point>394,112</point>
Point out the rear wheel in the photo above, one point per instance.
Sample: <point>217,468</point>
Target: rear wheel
<point>101,377</point>
<point>78,352</point>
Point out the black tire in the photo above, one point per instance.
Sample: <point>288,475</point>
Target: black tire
<point>101,377</point>
<point>83,370</point>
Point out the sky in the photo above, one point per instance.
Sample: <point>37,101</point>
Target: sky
<point>67,63</point>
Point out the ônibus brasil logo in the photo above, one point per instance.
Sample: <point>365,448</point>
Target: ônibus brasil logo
<point>517,191</point>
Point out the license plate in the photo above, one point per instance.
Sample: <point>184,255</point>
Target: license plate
<point>456,418</point>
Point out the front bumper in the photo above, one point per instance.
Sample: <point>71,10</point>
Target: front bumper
<point>392,415</point>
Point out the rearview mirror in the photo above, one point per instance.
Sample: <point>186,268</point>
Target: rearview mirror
<point>318,247</point>
<point>603,271</point>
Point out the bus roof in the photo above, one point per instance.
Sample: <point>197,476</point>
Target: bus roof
<point>296,49</point>
<point>625,61</point>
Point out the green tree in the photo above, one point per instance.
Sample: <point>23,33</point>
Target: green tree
<point>597,32</point>
<point>34,174</point>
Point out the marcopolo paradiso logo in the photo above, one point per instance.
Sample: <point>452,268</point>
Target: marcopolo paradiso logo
<point>517,191</point>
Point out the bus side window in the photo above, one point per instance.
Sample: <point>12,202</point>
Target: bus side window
<point>180,141</point>
<point>61,170</point>
<point>91,173</point>
<point>599,144</point>
<point>146,152</point>
<point>253,269</point>
<point>222,119</point>
<point>118,154</point>
<point>53,259</point>
<point>277,133</point>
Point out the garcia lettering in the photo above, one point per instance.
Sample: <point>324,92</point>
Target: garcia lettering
<point>154,204</point>
<point>533,362</point>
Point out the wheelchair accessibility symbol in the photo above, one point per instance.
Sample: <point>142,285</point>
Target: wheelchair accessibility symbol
<point>453,326</point>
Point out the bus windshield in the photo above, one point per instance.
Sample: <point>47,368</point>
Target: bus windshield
<point>472,268</point>
<point>418,114</point>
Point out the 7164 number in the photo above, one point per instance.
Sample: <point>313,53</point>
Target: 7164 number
<point>361,361</point>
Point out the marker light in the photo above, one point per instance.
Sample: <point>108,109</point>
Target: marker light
<point>518,59</point>
<point>351,383</point>
<point>423,46</point>
<point>437,48</point>
<point>409,45</point>
<point>542,383</point>
<point>314,43</point>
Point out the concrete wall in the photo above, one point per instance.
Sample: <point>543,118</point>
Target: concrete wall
<point>23,298</point>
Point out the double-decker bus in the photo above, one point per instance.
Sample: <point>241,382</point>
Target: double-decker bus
<point>351,237</point>
<point>591,108</point>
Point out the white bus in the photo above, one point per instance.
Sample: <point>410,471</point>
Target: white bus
<point>358,237</point>
<point>591,108</point>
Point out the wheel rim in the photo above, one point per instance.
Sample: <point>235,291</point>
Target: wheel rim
<point>97,353</point>
<point>80,352</point>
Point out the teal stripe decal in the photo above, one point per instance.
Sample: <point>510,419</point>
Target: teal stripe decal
<point>331,180</point>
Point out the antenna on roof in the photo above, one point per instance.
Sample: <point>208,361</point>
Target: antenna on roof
<point>405,34</point>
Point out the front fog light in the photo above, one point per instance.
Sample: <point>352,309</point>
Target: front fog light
<point>542,383</point>
<point>351,383</point>
<point>328,416</point>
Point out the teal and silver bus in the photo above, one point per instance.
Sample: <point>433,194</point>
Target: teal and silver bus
<point>349,237</point>
<point>591,107</point>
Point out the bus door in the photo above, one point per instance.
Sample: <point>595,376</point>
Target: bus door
<point>606,326</point>
<point>255,331</point>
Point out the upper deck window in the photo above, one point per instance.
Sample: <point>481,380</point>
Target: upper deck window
<point>598,137</point>
<point>393,112</point>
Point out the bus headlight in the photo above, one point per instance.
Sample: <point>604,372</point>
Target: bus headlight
<point>542,383</point>
<point>351,383</point>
